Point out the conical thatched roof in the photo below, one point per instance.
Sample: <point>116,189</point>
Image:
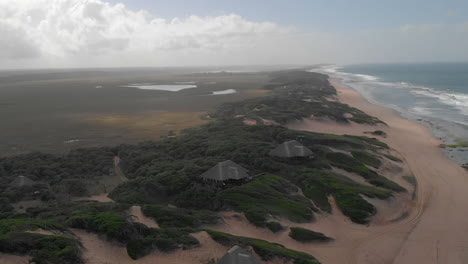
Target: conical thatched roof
<point>238,255</point>
<point>226,170</point>
<point>21,181</point>
<point>291,149</point>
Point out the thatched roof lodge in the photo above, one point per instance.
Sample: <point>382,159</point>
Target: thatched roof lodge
<point>226,170</point>
<point>21,181</point>
<point>238,255</point>
<point>291,149</point>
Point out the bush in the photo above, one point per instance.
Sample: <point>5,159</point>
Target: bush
<point>274,226</point>
<point>266,250</point>
<point>42,248</point>
<point>268,194</point>
<point>367,158</point>
<point>306,235</point>
<point>177,217</point>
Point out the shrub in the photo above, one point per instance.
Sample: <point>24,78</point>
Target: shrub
<point>178,217</point>
<point>367,158</point>
<point>266,250</point>
<point>268,194</point>
<point>274,226</point>
<point>306,235</point>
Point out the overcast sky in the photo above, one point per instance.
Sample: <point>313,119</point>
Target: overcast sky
<point>98,33</point>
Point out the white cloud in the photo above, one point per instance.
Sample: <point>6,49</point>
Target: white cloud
<point>81,27</point>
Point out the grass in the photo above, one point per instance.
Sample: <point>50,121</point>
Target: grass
<point>391,157</point>
<point>352,164</point>
<point>151,125</point>
<point>318,185</point>
<point>367,158</point>
<point>268,195</point>
<point>266,250</point>
<point>459,143</point>
<point>306,235</point>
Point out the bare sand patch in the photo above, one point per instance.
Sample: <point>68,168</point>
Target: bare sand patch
<point>103,198</point>
<point>13,259</point>
<point>138,216</point>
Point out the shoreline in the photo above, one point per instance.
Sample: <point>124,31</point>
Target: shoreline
<point>450,131</point>
<point>433,231</point>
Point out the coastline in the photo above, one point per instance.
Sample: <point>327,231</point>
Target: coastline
<point>441,109</point>
<point>426,225</point>
<point>434,230</point>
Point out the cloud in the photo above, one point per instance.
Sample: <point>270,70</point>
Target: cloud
<point>14,43</point>
<point>94,27</point>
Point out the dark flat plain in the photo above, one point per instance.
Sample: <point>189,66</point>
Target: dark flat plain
<point>43,110</point>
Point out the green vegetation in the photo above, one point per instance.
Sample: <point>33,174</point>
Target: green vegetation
<point>459,143</point>
<point>268,195</point>
<point>295,95</point>
<point>274,226</point>
<point>367,158</point>
<point>42,248</point>
<point>167,171</point>
<point>266,250</point>
<point>377,133</point>
<point>391,157</point>
<point>179,218</point>
<point>306,235</point>
<point>56,178</point>
<point>352,164</point>
<point>318,185</point>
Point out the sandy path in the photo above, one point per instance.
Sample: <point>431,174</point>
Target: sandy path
<point>435,231</point>
<point>138,216</point>
<point>99,251</point>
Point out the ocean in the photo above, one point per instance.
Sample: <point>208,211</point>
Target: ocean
<point>435,94</point>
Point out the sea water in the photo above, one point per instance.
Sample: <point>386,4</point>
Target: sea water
<point>435,94</point>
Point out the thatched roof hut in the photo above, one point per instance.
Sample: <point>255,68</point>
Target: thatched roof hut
<point>21,181</point>
<point>226,170</point>
<point>238,255</point>
<point>291,149</point>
